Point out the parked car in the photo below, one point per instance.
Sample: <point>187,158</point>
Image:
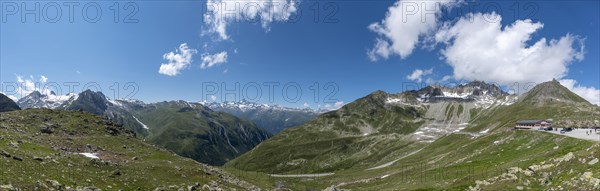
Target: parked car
<point>562,131</point>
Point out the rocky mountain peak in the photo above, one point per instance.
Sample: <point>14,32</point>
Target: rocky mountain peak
<point>36,94</point>
<point>89,101</point>
<point>7,104</point>
<point>475,91</point>
<point>551,91</point>
<point>38,100</point>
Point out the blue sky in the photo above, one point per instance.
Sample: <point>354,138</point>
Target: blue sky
<point>331,49</point>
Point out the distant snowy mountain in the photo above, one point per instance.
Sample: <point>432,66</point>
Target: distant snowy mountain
<point>187,128</point>
<point>480,93</point>
<point>38,100</point>
<point>245,105</point>
<point>273,118</point>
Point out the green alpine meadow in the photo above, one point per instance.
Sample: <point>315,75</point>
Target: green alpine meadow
<point>294,95</point>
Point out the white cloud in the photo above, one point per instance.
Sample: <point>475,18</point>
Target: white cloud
<point>210,60</point>
<point>221,13</point>
<point>338,104</point>
<point>406,22</point>
<point>177,61</point>
<point>43,79</point>
<point>27,85</point>
<point>306,104</point>
<point>446,78</point>
<point>213,98</point>
<point>478,49</point>
<point>590,94</point>
<point>13,97</point>
<point>335,106</point>
<point>418,75</point>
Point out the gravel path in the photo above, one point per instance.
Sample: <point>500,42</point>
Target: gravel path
<point>394,161</point>
<point>300,175</point>
<point>580,134</point>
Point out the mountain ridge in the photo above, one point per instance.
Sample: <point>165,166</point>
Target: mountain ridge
<point>385,125</point>
<point>189,129</point>
<point>7,104</point>
<point>273,118</point>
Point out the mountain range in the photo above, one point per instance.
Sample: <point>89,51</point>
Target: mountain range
<point>370,139</point>
<point>189,129</point>
<point>434,138</point>
<point>51,101</point>
<point>273,118</point>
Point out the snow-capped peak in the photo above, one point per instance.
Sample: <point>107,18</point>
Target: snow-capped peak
<point>245,105</point>
<point>38,100</point>
<point>481,93</point>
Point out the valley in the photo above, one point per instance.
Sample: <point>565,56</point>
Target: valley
<point>294,95</point>
<point>444,143</point>
<point>435,138</point>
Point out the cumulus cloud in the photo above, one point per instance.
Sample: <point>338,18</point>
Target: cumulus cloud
<point>221,13</point>
<point>335,106</point>
<point>13,97</point>
<point>43,79</point>
<point>418,75</point>
<point>478,49</point>
<point>210,60</point>
<point>590,94</point>
<point>406,22</point>
<point>27,85</point>
<point>177,61</point>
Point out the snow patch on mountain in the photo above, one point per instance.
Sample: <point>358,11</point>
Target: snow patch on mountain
<point>482,94</point>
<point>90,155</point>
<point>455,95</point>
<point>245,106</point>
<point>143,125</point>
<point>50,101</point>
<point>116,103</point>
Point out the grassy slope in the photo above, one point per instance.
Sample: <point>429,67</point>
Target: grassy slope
<point>73,131</point>
<point>453,162</point>
<point>457,161</point>
<point>563,114</point>
<point>335,140</point>
<point>198,133</point>
<point>274,121</point>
